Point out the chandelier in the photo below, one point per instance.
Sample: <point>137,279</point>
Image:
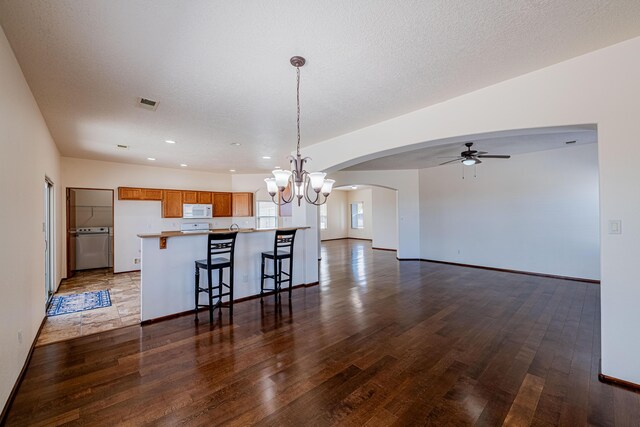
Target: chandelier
<point>297,179</point>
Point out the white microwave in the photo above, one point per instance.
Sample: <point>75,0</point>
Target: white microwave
<point>197,211</point>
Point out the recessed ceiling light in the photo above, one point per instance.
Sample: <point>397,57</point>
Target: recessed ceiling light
<point>266,157</point>
<point>170,141</point>
<point>151,158</point>
<point>278,167</point>
<point>236,144</point>
<point>184,165</point>
<point>355,187</point>
<point>232,170</point>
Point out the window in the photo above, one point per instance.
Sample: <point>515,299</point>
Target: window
<point>267,214</point>
<point>323,217</point>
<point>357,215</point>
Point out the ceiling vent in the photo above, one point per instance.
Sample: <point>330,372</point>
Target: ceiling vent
<point>148,104</point>
<point>124,147</point>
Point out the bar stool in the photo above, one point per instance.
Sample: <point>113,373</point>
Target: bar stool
<point>282,249</point>
<point>218,244</point>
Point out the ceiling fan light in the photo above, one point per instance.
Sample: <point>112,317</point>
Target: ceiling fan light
<point>281,178</point>
<point>327,186</point>
<point>469,162</point>
<point>272,188</point>
<point>317,180</point>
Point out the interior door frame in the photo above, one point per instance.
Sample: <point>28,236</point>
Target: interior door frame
<point>48,228</point>
<point>70,272</point>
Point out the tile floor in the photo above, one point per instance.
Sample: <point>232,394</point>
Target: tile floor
<point>124,311</point>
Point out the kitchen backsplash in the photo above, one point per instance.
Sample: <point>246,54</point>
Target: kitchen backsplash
<point>243,222</point>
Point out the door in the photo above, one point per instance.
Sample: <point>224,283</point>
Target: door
<point>47,228</point>
<point>71,232</point>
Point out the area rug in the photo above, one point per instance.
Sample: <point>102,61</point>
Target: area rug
<point>65,304</point>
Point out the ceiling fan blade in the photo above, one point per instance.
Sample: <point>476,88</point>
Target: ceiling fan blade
<point>448,157</point>
<point>494,156</point>
<point>451,161</point>
<point>480,153</point>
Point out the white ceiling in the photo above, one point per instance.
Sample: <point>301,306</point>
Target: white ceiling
<point>510,143</point>
<point>221,72</point>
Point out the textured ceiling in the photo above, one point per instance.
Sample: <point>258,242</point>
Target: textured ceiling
<point>220,69</point>
<point>519,142</point>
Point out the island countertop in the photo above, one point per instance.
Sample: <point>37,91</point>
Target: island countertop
<point>167,262</point>
<point>177,233</point>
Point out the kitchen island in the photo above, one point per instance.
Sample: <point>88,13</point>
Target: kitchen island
<point>167,267</point>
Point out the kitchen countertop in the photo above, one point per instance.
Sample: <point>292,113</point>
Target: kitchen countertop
<point>177,233</point>
<point>167,264</point>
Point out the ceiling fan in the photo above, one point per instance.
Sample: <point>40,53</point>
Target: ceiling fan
<point>471,157</point>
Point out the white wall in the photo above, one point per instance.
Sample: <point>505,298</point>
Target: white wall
<point>381,220</point>
<point>337,216</point>
<point>134,217</point>
<point>536,212</point>
<point>255,183</point>
<point>600,87</point>
<point>408,203</point>
<point>385,218</point>
<point>364,196</point>
<point>27,154</point>
<point>94,208</point>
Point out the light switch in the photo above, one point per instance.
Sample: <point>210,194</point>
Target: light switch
<point>615,226</point>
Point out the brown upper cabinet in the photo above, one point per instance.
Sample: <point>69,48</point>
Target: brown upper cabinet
<point>172,204</point>
<point>189,197</point>
<point>127,193</point>
<point>130,193</point>
<point>151,194</point>
<point>225,204</point>
<point>205,197</point>
<point>242,204</point>
<point>222,204</point>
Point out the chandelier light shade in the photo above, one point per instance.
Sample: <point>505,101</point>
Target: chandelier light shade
<point>327,186</point>
<point>272,187</point>
<point>298,179</point>
<point>317,180</point>
<point>282,178</point>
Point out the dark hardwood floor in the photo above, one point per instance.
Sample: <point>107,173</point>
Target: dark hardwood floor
<point>378,342</point>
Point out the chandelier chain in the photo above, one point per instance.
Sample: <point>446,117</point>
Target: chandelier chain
<point>298,180</point>
<point>298,103</point>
